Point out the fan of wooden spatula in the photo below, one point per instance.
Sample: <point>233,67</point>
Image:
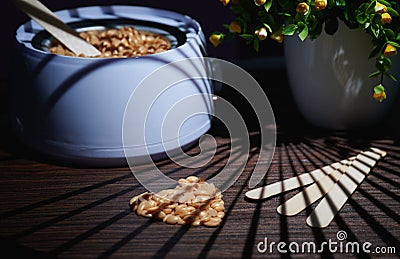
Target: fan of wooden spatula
<point>333,183</point>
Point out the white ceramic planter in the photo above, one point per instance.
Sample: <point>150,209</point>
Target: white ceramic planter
<point>329,79</point>
<point>72,108</point>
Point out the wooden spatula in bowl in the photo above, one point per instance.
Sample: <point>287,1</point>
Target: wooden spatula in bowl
<point>61,31</point>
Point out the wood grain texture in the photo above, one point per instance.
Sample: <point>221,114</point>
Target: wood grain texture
<point>52,210</point>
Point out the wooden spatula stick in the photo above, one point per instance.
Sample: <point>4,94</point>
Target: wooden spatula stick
<point>61,31</point>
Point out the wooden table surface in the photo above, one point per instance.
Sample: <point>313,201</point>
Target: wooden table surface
<point>52,210</point>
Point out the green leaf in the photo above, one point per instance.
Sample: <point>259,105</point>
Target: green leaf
<point>268,27</point>
<point>247,36</point>
<point>289,30</point>
<point>304,33</point>
<point>395,44</point>
<point>376,18</point>
<point>363,7</point>
<point>374,74</point>
<point>285,14</point>
<point>383,63</point>
<point>393,12</point>
<point>375,30</point>
<point>384,3</point>
<point>312,23</point>
<point>316,32</point>
<point>350,15</point>
<point>379,89</point>
<point>268,5</point>
<point>340,3</point>
<point>391,77</point>
<point>300,17</point>
<point>256,43</point>
<point>362,18</point>
<point>377,50</point>
<point>389,34</point>
<point>371,8</point>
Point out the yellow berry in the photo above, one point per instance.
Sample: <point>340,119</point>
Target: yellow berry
<point>235,27</point>
<point>224,2</point>
<point>278,36</point>
<point>259,2</point>
<point>390,50</point>
<point>380,8</point>
<point>379,97</point>
<point>321,4</point>
<point>261,33</point>
<point>215,39</point>
<point>302,8</point>
<point>386,18</point>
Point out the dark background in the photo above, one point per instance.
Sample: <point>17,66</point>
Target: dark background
<point>211,14</point>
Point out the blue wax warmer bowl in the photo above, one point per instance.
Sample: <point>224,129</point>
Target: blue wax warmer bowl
<point>72,109</point>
